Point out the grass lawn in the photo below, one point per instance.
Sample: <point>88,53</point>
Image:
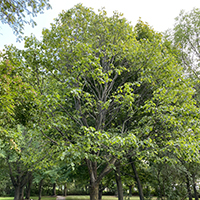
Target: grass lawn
<point>73,197</point>
<point>44,198</point>
<point>35,198</point>
<point>104,198</point>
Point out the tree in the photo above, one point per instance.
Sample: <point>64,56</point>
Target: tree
<point>6,185</point>
<point>23,156</point>
<point>119,181</point>
<point>15,12</point>
<point>22,150</point>
<point>107,92</point>
<point>186,37</point>
<point>13,92</point>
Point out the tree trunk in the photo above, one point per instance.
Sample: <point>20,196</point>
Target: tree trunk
<point>40,189</point>
<point>65,190</point>
<point>18,179</point>
<point>94,179</point>
<point>17,192</point>
<point>101,189</point>
<point>54,189</point>
<point>137,180</point>
<point>194,188</point>
<point>130,190</point>
<point>188,187</point>
<point>119,182</point>
<point>100,193</point>
<point>86,189</point>
<point>94,191</point>
<point>28,188</point>
<point>21,193</point>
<point>94,183</point>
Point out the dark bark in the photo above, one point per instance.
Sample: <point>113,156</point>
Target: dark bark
<point>101,189</point>
<point>54,190</point>
<point>19,188</point>
<point>40,189</point>
<point>65,190</point>
<point>188,187</point>
<point>194,188</point>
<point>94,191</point>
<point>86,189</point>
<point>28,186</point>
<point>17,192</point>
<point>19,177</point>
<point>100,194</point>
<point>130,190</point>
<point>119,181</point>
<point>21,197</point>
<point>140,190</point>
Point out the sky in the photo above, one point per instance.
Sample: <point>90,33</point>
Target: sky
<point>159,14</point>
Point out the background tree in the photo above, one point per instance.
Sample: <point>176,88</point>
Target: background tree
<point>185,37</point>
<point>17,13</point>
<point>22,150</point>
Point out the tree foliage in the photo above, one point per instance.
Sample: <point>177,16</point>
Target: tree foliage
<point>186,37</point>
<point>15,94</point>
<point>108,92</point>
<point>15,13</point>
<point>111,89</point>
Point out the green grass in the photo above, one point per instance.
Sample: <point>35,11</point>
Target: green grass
<point>104,198</point>
<point>72,197</point>
<point>75,198</point>
<point>34,198</point>
<point>44,198</point>
<point>6,198</point>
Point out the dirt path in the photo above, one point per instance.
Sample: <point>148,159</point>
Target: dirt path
<point>60,198</point>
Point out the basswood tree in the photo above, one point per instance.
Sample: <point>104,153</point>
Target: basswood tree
<point>107,91</point>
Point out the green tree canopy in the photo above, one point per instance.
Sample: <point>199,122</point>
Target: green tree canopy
<point>186,37</point>
<point>108,90</point>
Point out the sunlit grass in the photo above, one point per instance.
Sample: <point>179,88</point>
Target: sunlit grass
<point>104,198</point>
<point>72,197</point>
<point>34,198</point>
<point>75,197</point>
<point>6,198</point>
<point>44,198</point>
